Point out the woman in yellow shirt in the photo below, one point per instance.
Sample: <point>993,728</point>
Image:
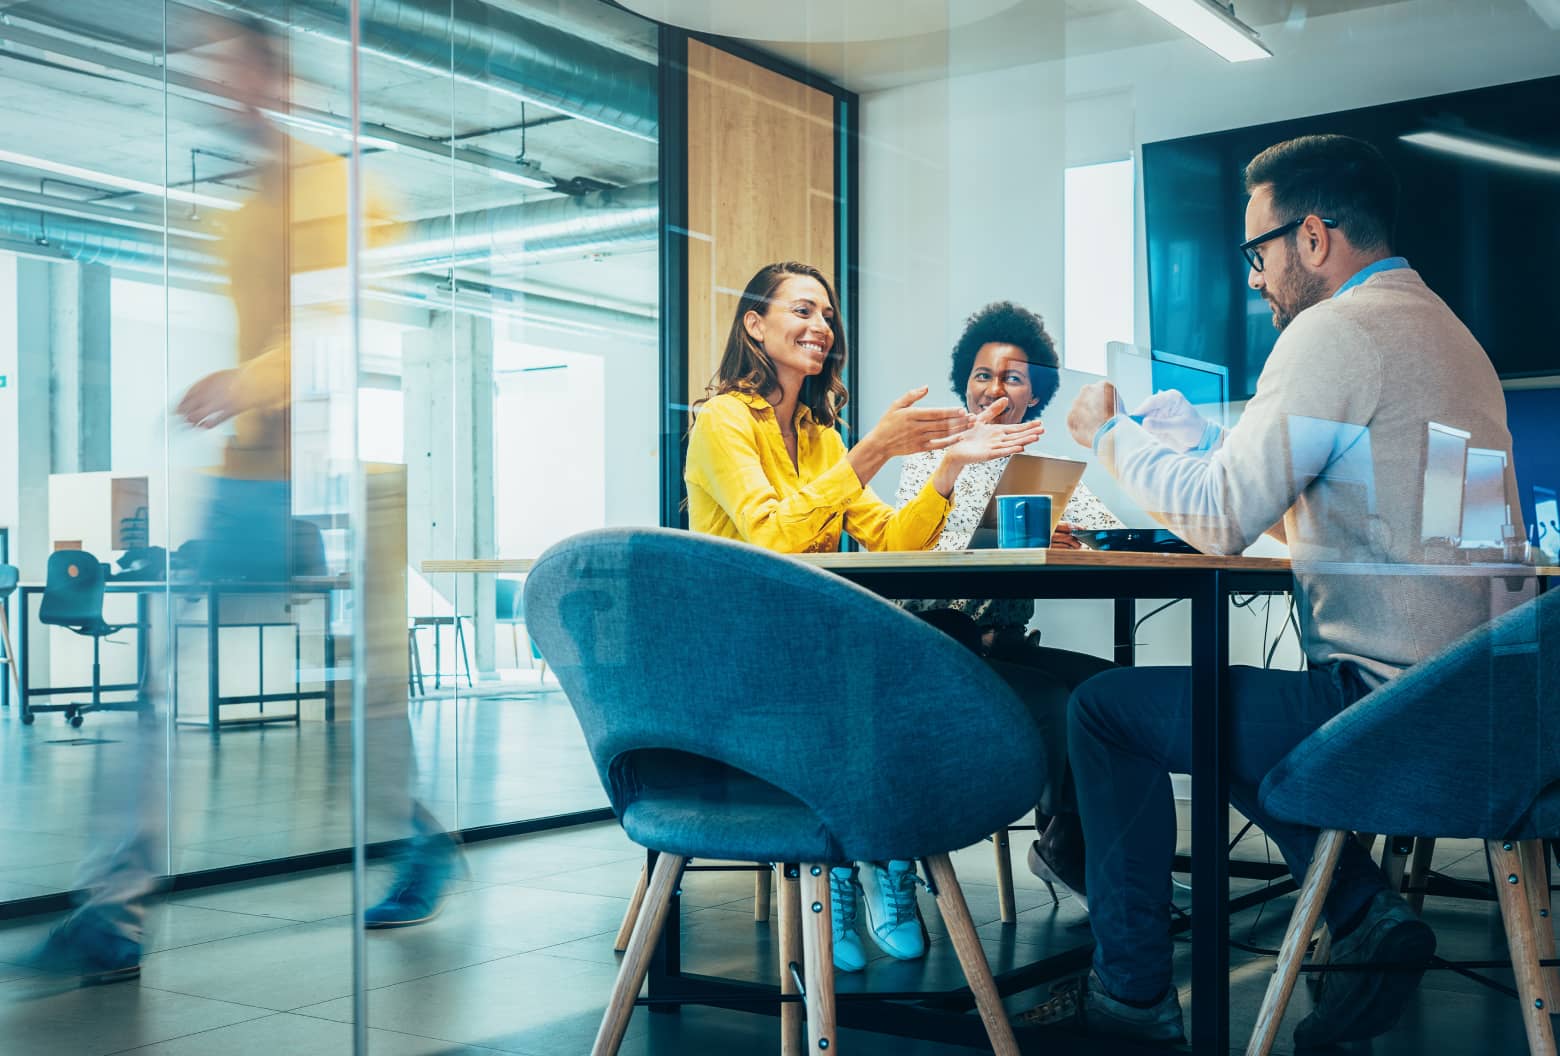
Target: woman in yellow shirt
<point>766,466</point>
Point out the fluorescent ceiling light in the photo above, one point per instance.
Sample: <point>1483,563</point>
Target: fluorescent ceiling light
<point>124,183</point>
<point>1214,26</point>
<point>341,131</point>
<point>522,180</point>
<point>1483,150</point>
<point>325,128</point>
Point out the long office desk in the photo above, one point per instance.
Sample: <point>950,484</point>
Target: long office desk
<point>213,593</point>
<point>1207,582</point>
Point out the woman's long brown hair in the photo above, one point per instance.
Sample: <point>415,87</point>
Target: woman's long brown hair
<point>746,367</point>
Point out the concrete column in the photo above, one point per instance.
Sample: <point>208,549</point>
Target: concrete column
<point>79,321</point>
<point>447,389</point>
<point>36,411</point>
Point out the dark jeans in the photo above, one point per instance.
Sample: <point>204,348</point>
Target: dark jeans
<point>1128,730</point>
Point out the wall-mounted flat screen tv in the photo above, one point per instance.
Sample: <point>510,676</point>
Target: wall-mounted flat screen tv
<point>1479,219</point>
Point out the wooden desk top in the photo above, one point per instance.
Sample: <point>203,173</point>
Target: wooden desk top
<point>927,560</point>
<point>911,561</point>
<point>996,560</point>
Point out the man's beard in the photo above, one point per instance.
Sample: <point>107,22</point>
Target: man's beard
<point>1305,287</point>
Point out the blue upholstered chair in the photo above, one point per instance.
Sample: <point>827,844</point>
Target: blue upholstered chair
<point>741,705</point>
<point>1475,753</point>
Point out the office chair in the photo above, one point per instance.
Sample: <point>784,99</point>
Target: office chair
<point>1474,752</point>
<point>510,604</point>
<point>73,599</point>
<point>746,764</point>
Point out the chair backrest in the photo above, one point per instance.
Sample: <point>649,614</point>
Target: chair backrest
<point>507,602</point>
<point>72,589</point>
<point>671,644</point>
<point>9,577</point>
<point>1465,744</point>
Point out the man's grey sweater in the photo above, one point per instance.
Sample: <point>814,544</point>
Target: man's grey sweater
<point>1333,445</point>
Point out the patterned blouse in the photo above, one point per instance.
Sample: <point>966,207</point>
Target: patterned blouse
<point>972,492</point>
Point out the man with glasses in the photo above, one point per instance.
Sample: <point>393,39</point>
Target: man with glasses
<point>1328,454</point>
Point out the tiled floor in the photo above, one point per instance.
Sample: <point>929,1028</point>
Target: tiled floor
<point>520,962</point>
<point>277,791</point>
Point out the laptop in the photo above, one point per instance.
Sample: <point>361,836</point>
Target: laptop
<point>1030,475</point>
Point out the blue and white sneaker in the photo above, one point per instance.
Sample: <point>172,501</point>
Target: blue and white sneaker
<point>848,954</point>
<point>893,918</point>
<point>419,885</point>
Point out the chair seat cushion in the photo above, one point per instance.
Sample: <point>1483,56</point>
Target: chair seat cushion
<point>743,819</point>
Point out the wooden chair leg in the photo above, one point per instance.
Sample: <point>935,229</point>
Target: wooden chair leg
<point>1535,867</point>
<point>1005,904</point>
<point>961,932</point>
<point>626,930</point>
<point>10,654</point>
<point>761,894</point>
<point>790,897</point>
<point>1522,939</point>
<point>1308,909</point>
<point>818,956</point>
<point>636,962</point>
<point>1419,872</point>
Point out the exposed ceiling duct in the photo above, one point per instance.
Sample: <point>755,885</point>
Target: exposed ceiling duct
<point>489,47</point>
<point>552,226</point>
<point>599,219</point>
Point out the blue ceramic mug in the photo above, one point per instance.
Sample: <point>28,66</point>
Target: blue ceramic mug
<point>1023,521</point>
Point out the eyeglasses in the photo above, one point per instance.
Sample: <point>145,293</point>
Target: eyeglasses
<point>1253,255</point>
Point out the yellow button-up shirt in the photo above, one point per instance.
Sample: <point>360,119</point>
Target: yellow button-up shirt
<point>742,485</point>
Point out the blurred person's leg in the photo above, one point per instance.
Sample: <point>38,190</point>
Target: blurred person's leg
<point>426,856</point>
<point>126,856</point>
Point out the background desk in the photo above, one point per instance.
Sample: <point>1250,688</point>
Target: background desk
<point>213,593</point>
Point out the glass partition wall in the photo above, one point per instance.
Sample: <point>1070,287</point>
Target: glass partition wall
<point>256,456</point>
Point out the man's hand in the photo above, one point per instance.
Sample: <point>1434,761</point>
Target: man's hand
<point>1095,405</point>
<point>1170,418</point>
<point>1064,539</point>
<point>211,401</point>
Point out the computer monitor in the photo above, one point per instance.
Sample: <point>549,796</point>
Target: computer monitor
<point>1205,385</point>
<point>1446,457</point>
<point>1546,522</point>
<point>1136,373</point>
<point>1484,497</point>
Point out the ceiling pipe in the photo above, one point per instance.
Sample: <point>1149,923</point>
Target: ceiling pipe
<point>488,47</point>
<point>600,220</point>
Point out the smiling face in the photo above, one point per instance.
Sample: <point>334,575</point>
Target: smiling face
<point>797,330</point>
<point>1000,370</point>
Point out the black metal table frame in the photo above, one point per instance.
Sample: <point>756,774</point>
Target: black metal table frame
<point>213,593</point>
<point>1209,590</point>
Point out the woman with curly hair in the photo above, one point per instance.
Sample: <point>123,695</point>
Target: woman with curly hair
<point>1006,358</point>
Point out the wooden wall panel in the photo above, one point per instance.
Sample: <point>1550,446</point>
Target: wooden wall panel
<point>761,188</point>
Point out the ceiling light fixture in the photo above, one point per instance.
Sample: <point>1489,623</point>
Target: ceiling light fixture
<point>124,183</point>
<point>1213,25</point>
<point>324,128</point>
<point>1483,150</point>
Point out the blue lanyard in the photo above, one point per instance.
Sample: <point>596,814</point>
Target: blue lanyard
<point>1385,264</point>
